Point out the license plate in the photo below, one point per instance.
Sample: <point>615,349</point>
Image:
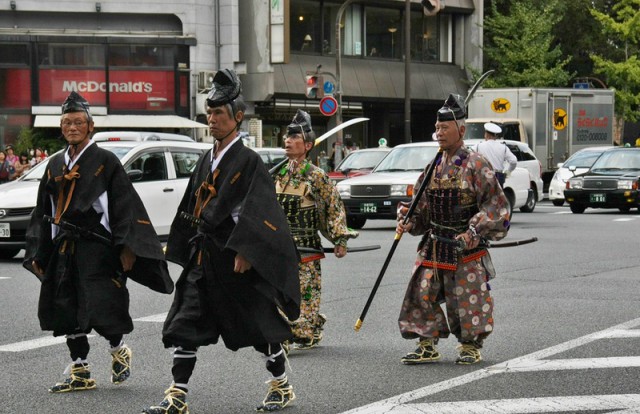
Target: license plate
<point>597,198</point>
<point>5,230</point>
<point>368,208</point>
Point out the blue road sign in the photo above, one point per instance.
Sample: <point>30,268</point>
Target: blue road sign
<point>328,105</point>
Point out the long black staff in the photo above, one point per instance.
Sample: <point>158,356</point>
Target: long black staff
<point>397,238</point>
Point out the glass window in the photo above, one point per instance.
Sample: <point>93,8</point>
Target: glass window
<point>15,88</point>
<point>141,55</point>
<point>306,26</point>
<point>152,165</point>
<point>14,54</point>
<point>85,55</point>
<point>383,32</point>
<point>424,37</point>
<point>184,162</point>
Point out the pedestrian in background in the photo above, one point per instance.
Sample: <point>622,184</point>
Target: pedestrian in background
<point>7,171</point>
<point>312,204</point>
<point>497,153</point>
<point>239,260</point>
<point>98,235</point>
<point>38,156</point>
<point>464,203</point>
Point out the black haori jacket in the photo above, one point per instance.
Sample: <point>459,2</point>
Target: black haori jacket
<point>261,234</point>
<point>98,171</point>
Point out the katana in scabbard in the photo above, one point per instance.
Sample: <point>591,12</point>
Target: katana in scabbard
<point>484,244</point>
<point>81,231</point>
<point>398,236</point>
<point>330,249</point>
<point>195,221</point>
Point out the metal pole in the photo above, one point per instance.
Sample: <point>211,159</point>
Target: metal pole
<point>339,141</point>
<point>407,71</point>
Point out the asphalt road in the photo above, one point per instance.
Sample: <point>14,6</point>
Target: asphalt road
<point>566,336</point>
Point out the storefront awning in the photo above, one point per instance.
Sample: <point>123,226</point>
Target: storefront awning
<point>126,121</point>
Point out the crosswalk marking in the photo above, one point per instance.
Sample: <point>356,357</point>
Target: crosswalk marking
<point>579,403</point>
<point>34,343</point>
<point>400,402</point>
<point>159,317</point>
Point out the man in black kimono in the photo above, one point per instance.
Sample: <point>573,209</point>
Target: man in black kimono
<point>240,262</point>
<point>88,234</point>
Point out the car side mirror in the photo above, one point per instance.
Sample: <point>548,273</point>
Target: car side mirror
<point>572,168</point>
<point>560,164</point>
<point>134,175</point>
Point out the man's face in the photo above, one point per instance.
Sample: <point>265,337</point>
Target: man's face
<point>220,121</point>
<point>449,135</point>
<point>295,146</point>
<point>75,127</point>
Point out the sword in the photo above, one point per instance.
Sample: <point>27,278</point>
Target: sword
<point>65,225</point>
<point>319,140</point>
<point>193,220</point>
<point>330,249</point>
<point>484,244</point>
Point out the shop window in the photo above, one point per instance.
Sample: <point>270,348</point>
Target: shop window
<point>85,55</point>
<point>306,26</point>
<point>14,54</point>
<point>141,55</point>
<point>383,28</point>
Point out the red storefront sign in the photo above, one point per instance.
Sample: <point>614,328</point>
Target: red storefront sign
<point>15,87</point>
<point>127,89</point>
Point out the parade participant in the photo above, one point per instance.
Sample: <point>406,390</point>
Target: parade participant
<point>240,262</point>
<point>462,201</point>
<point>497,153</point>
<point>312,203</point>
<point>88,234</point>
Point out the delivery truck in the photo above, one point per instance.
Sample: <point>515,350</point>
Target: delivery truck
<point>554,122</point>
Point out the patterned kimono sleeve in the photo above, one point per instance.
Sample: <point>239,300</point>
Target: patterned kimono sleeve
<point>331,211</point>
<point>492,221</point>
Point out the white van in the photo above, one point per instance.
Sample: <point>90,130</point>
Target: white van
<point>139,136</point>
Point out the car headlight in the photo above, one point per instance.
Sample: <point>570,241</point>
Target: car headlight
<point>626,184</point>
<point>344,190</point>
<point>401,190</point>
<point>575,183</point>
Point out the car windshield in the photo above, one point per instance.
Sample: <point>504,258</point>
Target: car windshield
<point>584,159</point>
<point>36,173</point>
<point>407,159</point>
<point>360,160</point>
<point>617,160</point>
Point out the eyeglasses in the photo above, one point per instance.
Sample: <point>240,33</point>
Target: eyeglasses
<point>77,124</point>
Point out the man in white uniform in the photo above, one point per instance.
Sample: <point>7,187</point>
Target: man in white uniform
<point>497,153</point>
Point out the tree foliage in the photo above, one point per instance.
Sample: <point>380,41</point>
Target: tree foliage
<point>621,66</point>
<point>520,46</point>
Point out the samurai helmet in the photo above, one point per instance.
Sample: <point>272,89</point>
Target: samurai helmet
<point>226,88</point>
<point>301,124</point>
<point>453,109</point>
<point>76,103</point>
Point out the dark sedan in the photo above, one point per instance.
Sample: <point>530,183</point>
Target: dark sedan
<point>611,182</point>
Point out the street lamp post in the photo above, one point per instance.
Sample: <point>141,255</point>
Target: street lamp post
<point>339,141</point>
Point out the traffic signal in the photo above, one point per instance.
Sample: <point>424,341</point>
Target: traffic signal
<point>432,7</point>
<point>314,87</point>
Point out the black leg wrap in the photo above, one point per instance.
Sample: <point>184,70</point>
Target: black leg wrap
<point>276,360</point>
<point>114,340</point>
<point>78,347</point>
<point>184,361</point>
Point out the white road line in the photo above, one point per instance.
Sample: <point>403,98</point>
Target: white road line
<point>4,277</point>
<point>50,340</point>
<point>533,365</point>
<point>562,212</point>
<point>160,317</point>
<point>578,403</point>
<point>35,343</point>
<point>389,404</point>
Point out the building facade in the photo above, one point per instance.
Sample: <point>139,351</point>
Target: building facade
<point>150,63</point>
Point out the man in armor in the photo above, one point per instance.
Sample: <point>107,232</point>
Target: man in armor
<point>240,263</point>
<point>88,234</point>
<point>463,204</point>
<point>311,203</point>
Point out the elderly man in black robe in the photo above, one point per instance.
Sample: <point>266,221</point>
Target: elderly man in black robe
<point>88,234</point>
<point>240,262</point>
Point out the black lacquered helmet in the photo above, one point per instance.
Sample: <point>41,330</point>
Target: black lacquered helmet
<point>226,88</point>
<point>301,124</point>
